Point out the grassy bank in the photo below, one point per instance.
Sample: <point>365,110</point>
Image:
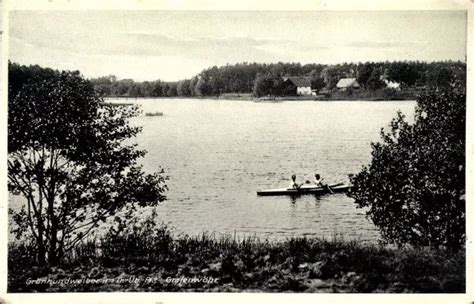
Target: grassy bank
<point>145,260</point>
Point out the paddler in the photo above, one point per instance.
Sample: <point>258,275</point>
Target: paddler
<point>318,181</point>
<point>293,184</point>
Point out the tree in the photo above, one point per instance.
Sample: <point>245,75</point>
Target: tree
<point>103,85</point>
<point>67,156</point>
<point>406,73</point>
<point>213,79</point>
<point>439,76</point>
<point>183,88</point>
<point>201,88</point>
<point>317,82</point>
<point>165,88</point>
<point>331,76</point>
<point>146,88</point>
<point>374,81</point>
<point>285,88</point>
<point>260,87</point>
<point>135,90</point>
<point>123,86</point>
<point>172,89</point>
<point>364,72</point>
<point>414,187</point>
<point>192,86</point>
<point>157,90</point>
<point>268,84</point>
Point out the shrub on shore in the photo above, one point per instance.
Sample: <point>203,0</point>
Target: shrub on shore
<point>414,187</point>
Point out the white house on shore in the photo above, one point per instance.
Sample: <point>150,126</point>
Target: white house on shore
<point>392,84</point>
<point>302,84</point>
<point>345,83</point>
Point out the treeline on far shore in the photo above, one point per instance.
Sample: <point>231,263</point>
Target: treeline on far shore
<point>266,80</point>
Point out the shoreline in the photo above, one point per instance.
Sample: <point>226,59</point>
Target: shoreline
<point>263,100</point>
<point>152,259</point>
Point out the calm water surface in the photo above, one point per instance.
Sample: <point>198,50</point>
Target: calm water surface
<point>218,153</point>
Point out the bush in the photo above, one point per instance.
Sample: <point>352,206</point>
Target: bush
<point>137,240</point>
<point>414,186</point>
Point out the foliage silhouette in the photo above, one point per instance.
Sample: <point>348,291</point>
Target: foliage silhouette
<point>68,158</point>
<point>414,187</point>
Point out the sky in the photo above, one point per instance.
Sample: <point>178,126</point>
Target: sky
<point>174,45</point>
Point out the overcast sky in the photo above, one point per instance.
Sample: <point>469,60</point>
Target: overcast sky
<point>173,45</point>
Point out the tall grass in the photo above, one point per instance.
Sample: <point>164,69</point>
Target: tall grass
<point>296,264</point>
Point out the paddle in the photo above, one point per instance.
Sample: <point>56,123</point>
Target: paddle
<point>296,186</point>
<point>325,186</point>
<point>329,188</point>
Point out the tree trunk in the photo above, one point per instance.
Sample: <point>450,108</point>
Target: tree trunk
<point>41,246</point>
<point>53,254</point>
<point>41,258</point>
<point>53,245</point>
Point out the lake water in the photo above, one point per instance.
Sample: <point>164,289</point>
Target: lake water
<point>218,153</point>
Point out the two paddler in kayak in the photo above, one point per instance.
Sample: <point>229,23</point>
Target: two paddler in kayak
<point>318,181</point>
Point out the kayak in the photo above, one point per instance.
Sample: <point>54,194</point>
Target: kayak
<point>305,189</point>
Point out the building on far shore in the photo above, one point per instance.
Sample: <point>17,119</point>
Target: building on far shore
<point>345,83</point>
<point>302,84</point>
<point>392,84</point>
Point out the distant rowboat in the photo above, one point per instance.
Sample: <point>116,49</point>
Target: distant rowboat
<point>306,189</point>
<point>154,114</point>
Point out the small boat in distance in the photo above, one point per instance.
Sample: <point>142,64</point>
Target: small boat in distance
<point>306,189</point>
<point>117,104</point>
<point>154,114</point>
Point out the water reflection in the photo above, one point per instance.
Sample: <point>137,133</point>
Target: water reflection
<point>317,198</point>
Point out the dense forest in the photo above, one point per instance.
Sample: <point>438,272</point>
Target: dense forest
<point>268,79</point>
